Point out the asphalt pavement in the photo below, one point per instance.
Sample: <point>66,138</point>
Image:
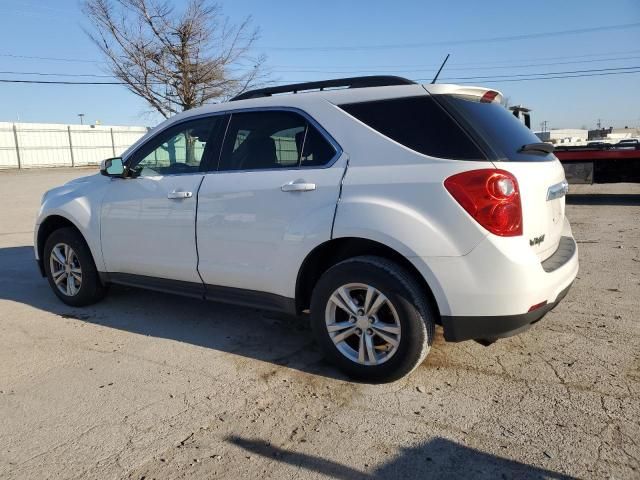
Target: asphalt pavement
<point>148,385</point>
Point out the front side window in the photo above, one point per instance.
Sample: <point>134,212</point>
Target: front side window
<point>180,149</point>
<point>266,140</point>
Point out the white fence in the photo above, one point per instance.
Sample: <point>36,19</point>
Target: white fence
<point>30,145</point>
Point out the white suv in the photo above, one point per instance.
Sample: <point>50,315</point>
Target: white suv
<point>382,206</point>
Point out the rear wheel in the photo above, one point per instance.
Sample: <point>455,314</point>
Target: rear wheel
<point>372,319</point>
<point>70,268</point>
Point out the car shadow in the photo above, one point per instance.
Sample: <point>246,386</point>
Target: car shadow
<point>266,336</point>
<point>622,199</point>
<point>437,458</point>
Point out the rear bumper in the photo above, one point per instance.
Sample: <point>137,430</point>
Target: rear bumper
<point>485,294</point>
<point>457,329</point>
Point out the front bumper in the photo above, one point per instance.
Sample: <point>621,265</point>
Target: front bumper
<point>458,329</point>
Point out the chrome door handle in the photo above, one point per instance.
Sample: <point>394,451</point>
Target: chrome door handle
<point>298,187</point>
<point>177,195</point>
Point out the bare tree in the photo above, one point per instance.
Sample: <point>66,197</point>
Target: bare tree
<point>175,60</point>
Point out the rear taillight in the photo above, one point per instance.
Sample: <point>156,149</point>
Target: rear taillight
<point>491,197</point>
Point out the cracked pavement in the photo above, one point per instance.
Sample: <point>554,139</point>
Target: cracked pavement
<point>147,385</point>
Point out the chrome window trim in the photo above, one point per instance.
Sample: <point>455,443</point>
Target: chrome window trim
<point>312,121</point>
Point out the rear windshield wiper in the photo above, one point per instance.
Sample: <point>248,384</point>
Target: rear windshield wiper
<point>537,148</point>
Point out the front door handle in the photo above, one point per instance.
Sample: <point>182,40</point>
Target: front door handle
<point>178,195</point>
<point>298,186</point>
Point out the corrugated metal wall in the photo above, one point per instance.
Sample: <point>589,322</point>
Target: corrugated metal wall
<point>29,145</point>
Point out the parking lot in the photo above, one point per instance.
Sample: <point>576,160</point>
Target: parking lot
<point>148,385</point>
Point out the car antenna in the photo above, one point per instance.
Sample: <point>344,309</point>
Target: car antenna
<point>440,69</point>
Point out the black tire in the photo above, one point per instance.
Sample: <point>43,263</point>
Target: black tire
<point>414,312</point>
<point>91,289</point>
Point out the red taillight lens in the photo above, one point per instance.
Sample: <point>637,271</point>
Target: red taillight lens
<point>491,197</point>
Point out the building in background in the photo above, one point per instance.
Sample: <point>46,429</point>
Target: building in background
<point>575,136</point>
<point>614,134</point>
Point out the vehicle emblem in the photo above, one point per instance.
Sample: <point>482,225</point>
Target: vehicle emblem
<point>536,240</point>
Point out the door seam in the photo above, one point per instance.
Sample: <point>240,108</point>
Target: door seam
<point>195,232</point>
<point>335,211</point>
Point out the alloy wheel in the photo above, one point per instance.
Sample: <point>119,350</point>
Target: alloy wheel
<point>65,269</point>
<point>363,324</point>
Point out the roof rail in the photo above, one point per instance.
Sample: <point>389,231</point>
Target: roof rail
<point>352,82</point>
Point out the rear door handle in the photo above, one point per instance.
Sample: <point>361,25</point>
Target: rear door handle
<point>178,195</point>
<point>298,186</point>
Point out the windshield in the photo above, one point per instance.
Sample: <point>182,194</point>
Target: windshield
<point>496,125</point>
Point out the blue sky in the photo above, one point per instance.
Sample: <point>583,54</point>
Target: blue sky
<point>427,29</point>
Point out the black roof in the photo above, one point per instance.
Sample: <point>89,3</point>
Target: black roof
<point>352,82</point>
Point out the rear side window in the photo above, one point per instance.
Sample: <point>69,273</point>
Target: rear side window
<point>266,140</point>
<point>418,123</point>
<point>496,125</point>
<point>315,149</point>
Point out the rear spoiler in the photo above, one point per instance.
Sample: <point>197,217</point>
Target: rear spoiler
<point>480,93</point>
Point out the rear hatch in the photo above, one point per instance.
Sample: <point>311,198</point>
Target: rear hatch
<point>511,146</point>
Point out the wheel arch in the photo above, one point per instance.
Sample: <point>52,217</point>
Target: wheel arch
<point>333,251</point>
<point>49,225</point>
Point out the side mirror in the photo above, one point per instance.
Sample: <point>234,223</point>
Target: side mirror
<point>112,167</point>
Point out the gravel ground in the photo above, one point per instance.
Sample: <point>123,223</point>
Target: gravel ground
<point>147,385</point>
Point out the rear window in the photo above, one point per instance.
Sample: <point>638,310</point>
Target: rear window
<point>496,125</point>
<point>418,123</point>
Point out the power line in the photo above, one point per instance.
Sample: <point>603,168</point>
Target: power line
<point>546,64</point>
<point>37,14</point>
<point>484,63</point>
<point>72,75</point>
<point>410,45</point>
<point>35,8</point>
<point>544,73</point>
<point>48,74</point>
<point>549,76</point>
<point>60,82</point>
<point>585,55</point>
<point>489,79</point>
<point>460,66</point>
<point>434,67</point>
<point>507,38</point>
<point>56,59</point>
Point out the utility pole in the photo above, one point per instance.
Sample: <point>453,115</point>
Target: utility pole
<point>81,115</point>
<point>599,124</point>
<point>543,125</point>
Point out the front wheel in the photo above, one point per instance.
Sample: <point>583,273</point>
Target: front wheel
<point>371,319</point>
<point>70,268</point>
